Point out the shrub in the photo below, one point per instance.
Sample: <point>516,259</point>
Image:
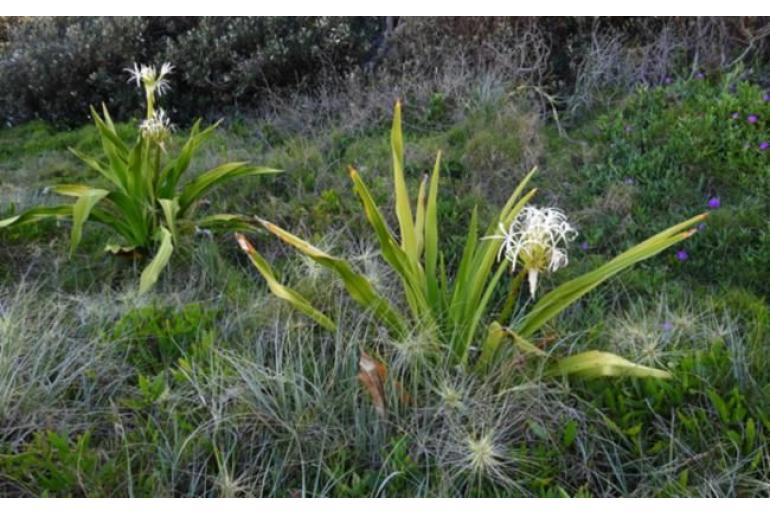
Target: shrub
<point>54,68</point>
<point>144,203</point>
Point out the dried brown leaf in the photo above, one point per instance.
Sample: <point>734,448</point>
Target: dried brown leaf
<point>372,374</point>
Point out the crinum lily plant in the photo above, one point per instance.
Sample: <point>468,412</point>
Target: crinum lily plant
<point>460,310</point>
<point>140,195</point>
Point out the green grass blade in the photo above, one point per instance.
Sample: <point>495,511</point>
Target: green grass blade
<point>594,363</point>
<point>359,288</point>
<point>151,273</point>
<point>279,290</point>
<point>80,212</point>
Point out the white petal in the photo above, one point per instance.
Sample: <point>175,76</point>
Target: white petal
<point>532,276</point>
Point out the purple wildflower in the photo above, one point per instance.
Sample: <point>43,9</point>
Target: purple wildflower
<point>735,116</point>
<point>667,326</point>
<point>700,76</point>
<point>752,119</point>
<point>702,226</point>
<point>584,246</point>
<point>681,255</point>
<point>764,146</point>
<point>667,80</point>
<point>714,202</point>
<point>766,98</point>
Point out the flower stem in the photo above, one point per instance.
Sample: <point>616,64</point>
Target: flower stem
<point>510,300</point>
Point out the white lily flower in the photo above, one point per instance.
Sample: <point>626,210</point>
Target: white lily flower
<point>149,76</point>
<point>536,239</point>
<point>157,127</point>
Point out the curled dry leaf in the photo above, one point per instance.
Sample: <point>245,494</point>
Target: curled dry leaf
<point>372,374</point>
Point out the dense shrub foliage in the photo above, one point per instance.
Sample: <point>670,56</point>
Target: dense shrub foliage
<point>54,68</point>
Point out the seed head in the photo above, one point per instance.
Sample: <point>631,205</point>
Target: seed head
<point>483,457</point>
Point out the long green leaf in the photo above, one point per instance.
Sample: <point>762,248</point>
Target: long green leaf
<point>215,177</point>
<point>411,277</point>
<point>80,212</point>
<point>112,132</point>
<point>419,217</point>
<point>475,281</point>
<point>107,130</point>
<point>459,294</point>
<point>359,288</point>
<point>170,209</point>
<point>72,190</point>
<point>279,290</point>
<point>226,222</point>
<point>117,223</point>
<point>431,236</point>
<point>37,214</point>
<point>594,363</point>
<point>403,209</point>
<point>169,177</point>
<point>151,273</point>
<point>114,148</point>
<point>560,298</point>
<point>496,333</point>
<point>117,202</point>
<point>104,170</point>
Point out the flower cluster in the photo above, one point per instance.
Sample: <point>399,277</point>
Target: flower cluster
<point>537,240</point>
<point>149,77</point>
<point>156,126</point>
